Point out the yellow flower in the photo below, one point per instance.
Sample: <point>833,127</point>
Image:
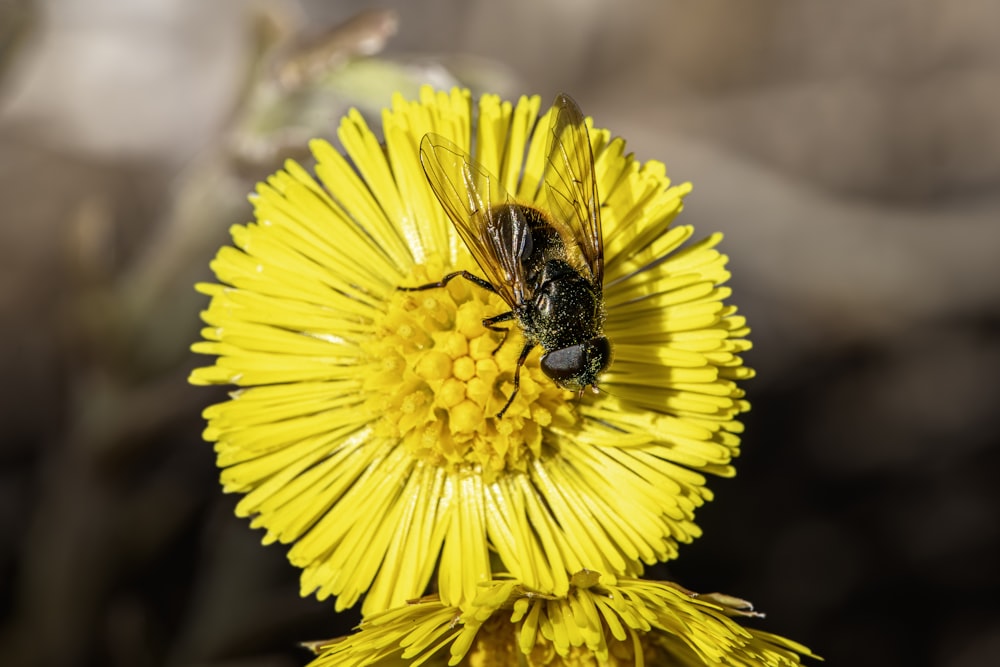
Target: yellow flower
<point>631,622</point>
<point>364,431</point>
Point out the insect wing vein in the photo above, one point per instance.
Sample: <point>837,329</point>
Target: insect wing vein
<point>470,196</point>
<point>570,183</point>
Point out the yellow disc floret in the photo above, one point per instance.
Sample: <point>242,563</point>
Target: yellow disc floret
<point>439,377</point>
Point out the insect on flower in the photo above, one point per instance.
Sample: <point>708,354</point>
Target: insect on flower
<point>546,264</point>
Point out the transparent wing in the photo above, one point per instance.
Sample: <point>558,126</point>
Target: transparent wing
<point>482,213</point>
<point>570,184</point>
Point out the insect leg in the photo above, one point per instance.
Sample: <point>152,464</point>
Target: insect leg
<point>489,323</point>
<point>472,278</point>
<point>517,377</point>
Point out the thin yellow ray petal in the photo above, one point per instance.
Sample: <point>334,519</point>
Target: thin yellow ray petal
<point>412,548</point>
<point>534,161</point>
<point>521,122</point>
<point>569,509</point>
<point>427,230</point>
<point>491,132</point>
<point>308,220</point>
<point>464,560</point>
<point>357,214</point>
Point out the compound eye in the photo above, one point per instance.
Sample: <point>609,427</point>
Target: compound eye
<point>565,365</point>
<point>599,352</point>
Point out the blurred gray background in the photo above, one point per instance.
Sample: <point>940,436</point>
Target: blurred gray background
<point>849,150</point>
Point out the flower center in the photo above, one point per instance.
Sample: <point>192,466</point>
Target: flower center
<point>438,379</point>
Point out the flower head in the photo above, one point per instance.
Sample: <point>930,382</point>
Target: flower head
<point>630,622</point>
<point>364,429</point>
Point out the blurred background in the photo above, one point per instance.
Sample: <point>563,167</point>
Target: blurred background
<point>849,150</point>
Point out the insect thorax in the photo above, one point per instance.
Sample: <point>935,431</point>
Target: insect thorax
<point>565,310</point>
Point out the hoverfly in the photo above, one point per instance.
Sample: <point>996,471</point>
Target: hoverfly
<point>547,265</point>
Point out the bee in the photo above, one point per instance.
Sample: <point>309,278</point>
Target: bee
<point>546,264</point>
